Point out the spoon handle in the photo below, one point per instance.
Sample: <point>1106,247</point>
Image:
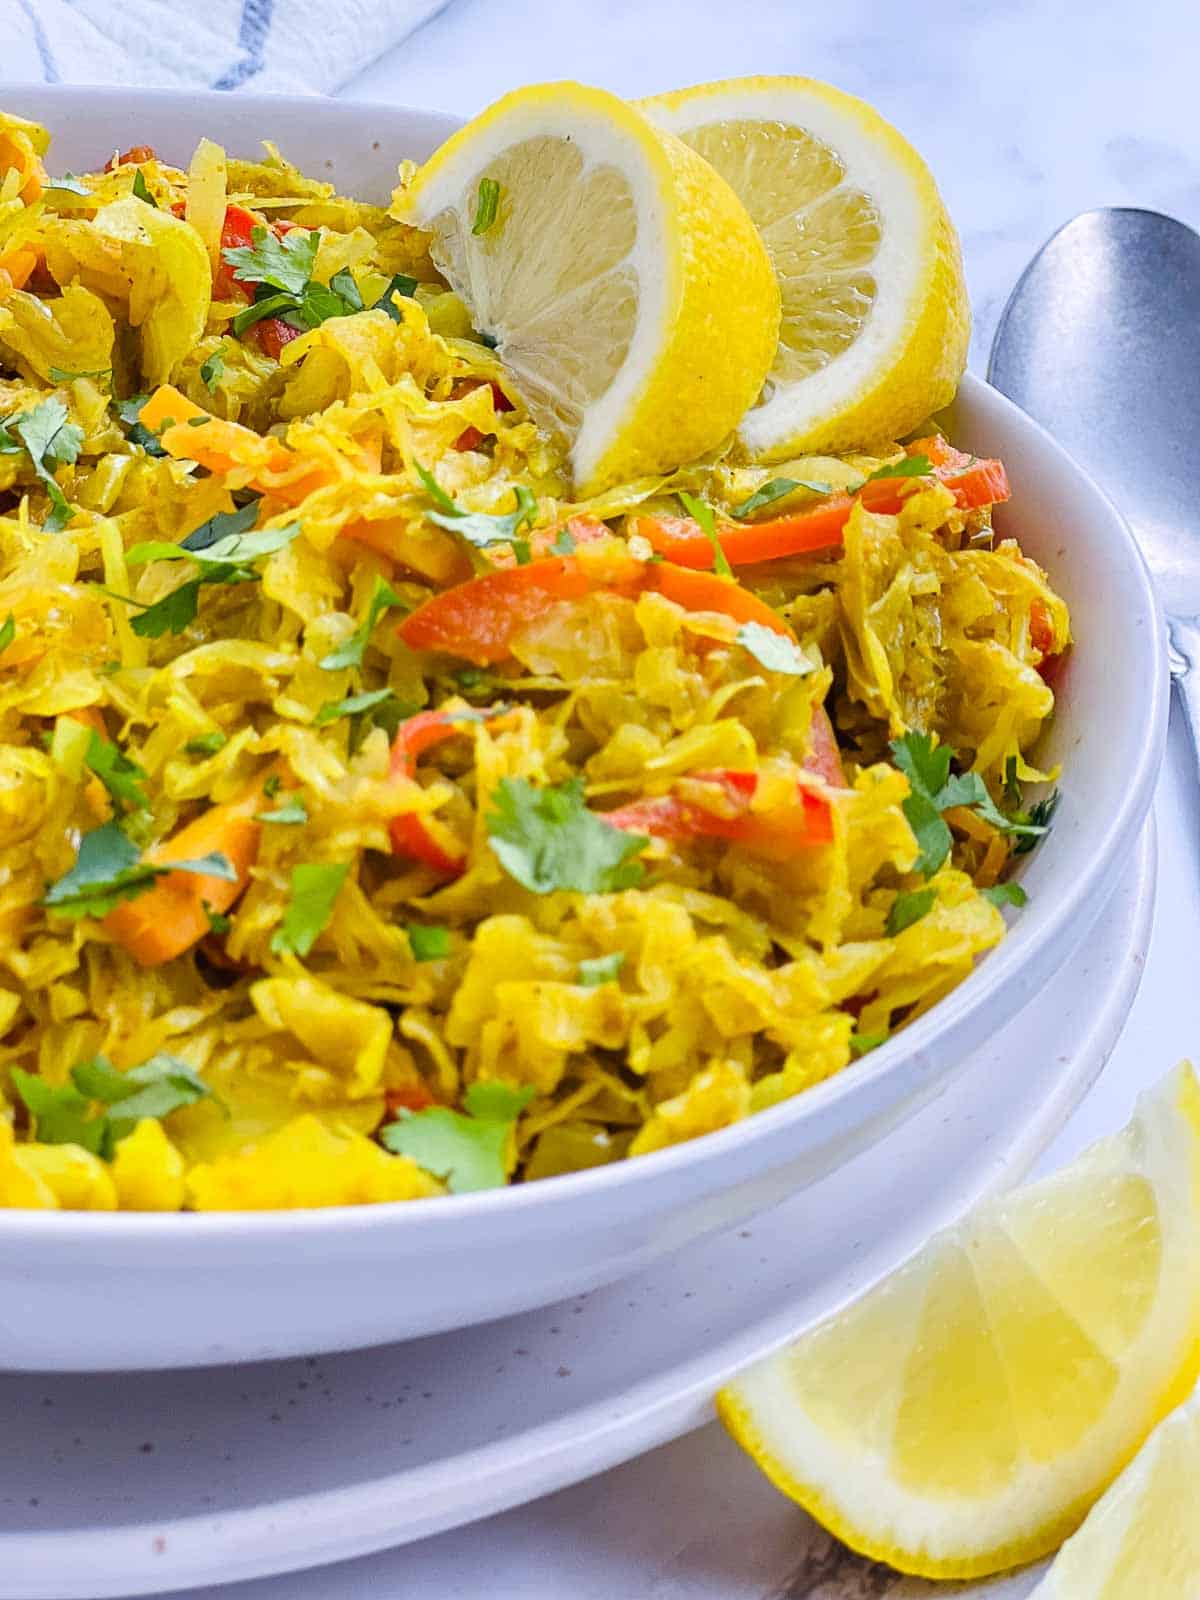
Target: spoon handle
<point>1184,636</point>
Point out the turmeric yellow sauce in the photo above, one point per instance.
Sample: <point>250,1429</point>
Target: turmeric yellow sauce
<point>376,820</point>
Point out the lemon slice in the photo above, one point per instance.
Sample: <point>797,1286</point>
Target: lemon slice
<point>875,314</point>
<point>1142,1540</point>
<point>963,1416</point>
<point>624,285</point>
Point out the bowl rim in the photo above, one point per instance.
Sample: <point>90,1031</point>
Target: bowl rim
<point>994,978</point>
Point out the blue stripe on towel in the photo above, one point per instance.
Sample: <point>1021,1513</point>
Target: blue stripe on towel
<point>50,70</point>
<point>253,33</point>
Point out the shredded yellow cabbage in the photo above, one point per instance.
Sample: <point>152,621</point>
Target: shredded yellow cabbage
<point>409,773</point>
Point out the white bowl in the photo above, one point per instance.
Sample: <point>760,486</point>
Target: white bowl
<point>98,1292</point>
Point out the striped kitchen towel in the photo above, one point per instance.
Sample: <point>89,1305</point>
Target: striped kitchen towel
<point>290,45</point>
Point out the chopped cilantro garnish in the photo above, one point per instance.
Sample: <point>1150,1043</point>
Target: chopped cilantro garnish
<point>352,705</point>
<point>1036,822</point>
<point>564,542</point>
<point>100,1105</point>
<point>218,922</point>
<point>315,886</point>
<point>119,775</point>
<point>102,374</point>
<point>775,490</point>
<point>49,440</point>
<point>402,285</point>
<point>468,1150</point>
<point>109,868</point>
<point>223,551</point>
<point>212,371</point>
<point>480,528</point>
<point>428,944</point>
<point>293,811</point>
<point>862,1043</point>
<point>206,744</point>
<point>547,839</point>
<point>350,654</point>
<point>487,205</point>
<point>909,908</point>
<point>284,263</point>
<point>141,190</point>
<point>926,765</point>
<point>601,969</point>
<point>906,467</point>
<point>775,651</point>
<point>1005,894</point>
<point>8,632</point>
<point>130,411</point>
<point>272,786</point>
<point>703,514</point>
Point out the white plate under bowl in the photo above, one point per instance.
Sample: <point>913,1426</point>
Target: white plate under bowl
<point>199,1289</point>
<point>134,1484</point>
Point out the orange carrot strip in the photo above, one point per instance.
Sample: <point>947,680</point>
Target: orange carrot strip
<point>170,917</point>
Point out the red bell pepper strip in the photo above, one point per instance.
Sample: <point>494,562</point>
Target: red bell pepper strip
<point>820,527</point>
<point>410,836</point>
<point>480,619</point>
<point>471,438</point>
<point>273,334</point>
<point>236,234</point>
<point>779,833</point>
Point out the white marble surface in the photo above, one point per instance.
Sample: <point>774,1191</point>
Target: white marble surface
<point>1029,111</point>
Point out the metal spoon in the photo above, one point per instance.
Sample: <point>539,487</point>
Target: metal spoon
<point>1100,342</point>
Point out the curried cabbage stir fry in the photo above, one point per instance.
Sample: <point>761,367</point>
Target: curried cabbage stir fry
<point>376,820</point>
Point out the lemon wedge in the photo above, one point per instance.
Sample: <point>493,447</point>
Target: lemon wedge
<point>875,314</point>
<point>1142,1540</point>
<point>963,1416</point>
<point>625,287</point>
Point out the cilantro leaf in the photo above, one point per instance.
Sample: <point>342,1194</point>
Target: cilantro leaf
<point>141,190</point>
<point>775,651</point>
<point>350,654</point>
<point>547,839</point>
<point>351,705</point>
<point>8,632</point>
<point>109,868</point>
<point>130,411</point>
<point>486,206</point>
<point>909,908</point>
<point>284,261</point>
<point>172,614</point>
<point>65,1114</point>
<point>600,969</point>
<point>480,528</point>
<point>428,944</point>
<point>119,775</point>
<point>315,886</point>
<point>218,527</point>
<point>1005,894</point>
<point>705,516</point>
<point>467,1151</point>
<point>906,467</point>
<point>862,1044</point>
<point>402,285</point>
<point>212,371</point>
<point>61,1113</point>
<point>343,285</point>
<point>272,305</point>
<point>775,490</point>
<point>206,744</point>
<point>48,436</point>
<point>50,441</point>
<point>57,375</point>
<point>924,764</point>
<point>1036,822</point>
<point>292,811</point>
